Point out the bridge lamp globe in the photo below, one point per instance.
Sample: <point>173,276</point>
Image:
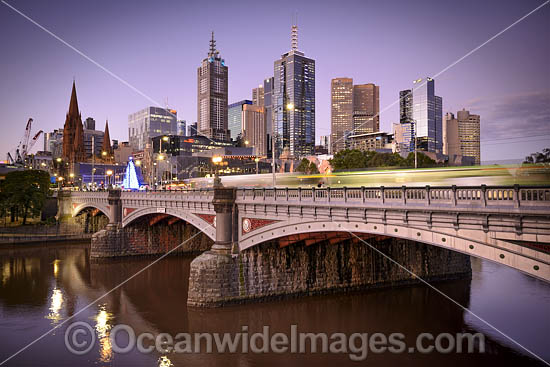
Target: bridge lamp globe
<point>165,138</point>
<point>109,172</point>
<point>58,160</point>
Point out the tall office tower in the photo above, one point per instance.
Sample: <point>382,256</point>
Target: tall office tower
<point>451,139</point>
<point>341,112</point>
<point>294,100</point>
<point>427,116</point>
<point>405,105</point>
<point>469,134</point>
<point>235,118</point>
<point>181,127</point>
<point>89,124</point>
<point>366,108</point>
<point>268,105</point>
<point>355,110</point>
<point>150,122</point>
<point>258,96</point>
<point>212,95</point>
<point>73,136</point>
<point>254,128</point>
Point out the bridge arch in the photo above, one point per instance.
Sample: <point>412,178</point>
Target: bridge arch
<point>477,243</point>
<point>102,208</point>
<point>186,216</point>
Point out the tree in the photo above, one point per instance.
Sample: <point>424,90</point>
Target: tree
<point>349,159</point>
<point>538,157</point>
<point>422,160</point>
<point>307,167</point>
<point>26,192</point>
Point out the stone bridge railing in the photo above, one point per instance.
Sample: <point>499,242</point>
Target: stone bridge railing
<point>486,198</point>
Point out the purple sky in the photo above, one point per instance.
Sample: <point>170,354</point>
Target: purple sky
<point>157,47</point>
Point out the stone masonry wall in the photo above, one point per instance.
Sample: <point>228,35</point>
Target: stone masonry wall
<point>148,240</point>
<point>268,271</point>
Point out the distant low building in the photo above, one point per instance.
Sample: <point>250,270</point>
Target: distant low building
<point>41,160</point>
<point>377,141</point>
<point>122,152</point>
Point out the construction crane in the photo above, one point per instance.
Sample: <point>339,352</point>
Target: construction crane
<point>24,146</point>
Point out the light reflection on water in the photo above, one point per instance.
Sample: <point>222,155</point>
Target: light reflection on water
<point>46,285</point>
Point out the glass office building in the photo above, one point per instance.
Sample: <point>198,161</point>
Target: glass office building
<point>294,101</point>
<point>427,113</point>
<point>235,118</point>
<point>149,123</point>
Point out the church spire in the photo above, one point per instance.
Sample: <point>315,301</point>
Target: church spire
<point>107,141</point>
<point>73,105</point>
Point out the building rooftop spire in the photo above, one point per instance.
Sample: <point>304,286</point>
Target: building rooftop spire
<point>213,52</point>
<point>294,38</point>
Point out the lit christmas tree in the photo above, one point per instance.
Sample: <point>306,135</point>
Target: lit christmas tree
<point>131,179</point>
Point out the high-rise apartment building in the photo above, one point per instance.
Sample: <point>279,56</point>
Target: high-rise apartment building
<point>355,110</point>
<point>235,117</point>
<point>192,130</point>
<point>469,134</point>
<point>294,101</point>
<point>254,128</point>
<point>212,95</point>
<point>421,107</point>
<point>150,122</point>
<point>258,96</point>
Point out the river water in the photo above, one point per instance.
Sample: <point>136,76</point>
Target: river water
<point>42,286</point>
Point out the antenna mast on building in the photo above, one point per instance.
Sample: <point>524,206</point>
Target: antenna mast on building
<point>294,34</point>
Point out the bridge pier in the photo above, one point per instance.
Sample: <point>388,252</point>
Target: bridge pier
<point>111,241</point>
<point>213,274</point>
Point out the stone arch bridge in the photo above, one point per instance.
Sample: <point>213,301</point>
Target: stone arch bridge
<point>506,224</point>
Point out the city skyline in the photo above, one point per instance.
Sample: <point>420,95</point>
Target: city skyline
<point>483,77</point>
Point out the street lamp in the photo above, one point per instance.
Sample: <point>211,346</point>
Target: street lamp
<point>217,160</point>
<point>109,173</point>
<point>59,179</point>
<point>256,160</point>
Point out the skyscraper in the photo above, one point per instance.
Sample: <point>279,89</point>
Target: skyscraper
<point>268,105</point>
<point>469,134</point>
<point>73,135</point>
<point>258,96</point>
<point>355,110</point>
<point>294,100</point>
<point>451,139</point>
<point>150,122</point>
<point>424,110</point>
<point>235,118</point>
<point>254,128</point>
<point>366,108</point>
<point>341,111</point>
<point>212,95</point>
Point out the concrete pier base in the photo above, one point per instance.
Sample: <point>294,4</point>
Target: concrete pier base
<point>270,272</point>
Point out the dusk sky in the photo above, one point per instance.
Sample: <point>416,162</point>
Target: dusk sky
<point>157,46</point>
